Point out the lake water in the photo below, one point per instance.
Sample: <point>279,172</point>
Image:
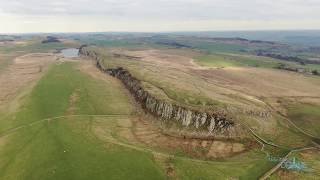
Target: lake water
<point>70,53</point>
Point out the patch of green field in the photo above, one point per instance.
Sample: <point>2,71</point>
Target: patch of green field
<point>306,116</point>
<point>204,45</point>
<point>277,131</point>
<point>313,67</point>
<point>221,60</point>
<point>229,60</point>
<point>250,165</point>
<point>307,67</point>
<point>113,43</point>
<point>50,97</point>
<point>214,47</point>
<point>67,148</point>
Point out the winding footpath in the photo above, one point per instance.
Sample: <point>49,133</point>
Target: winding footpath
<point>111,140</point>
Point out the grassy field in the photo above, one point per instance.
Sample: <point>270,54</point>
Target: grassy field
<point>44,147</point>
<point>65,148</point>
<point>73,125</point>
<point>248,166</point>
<point>306,116</point>
<point>222,60</point>
<point>313,66</point>
<point>205,46</point>
<point>231,60</point>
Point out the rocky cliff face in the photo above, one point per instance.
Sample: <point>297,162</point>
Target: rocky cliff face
<point>213,124</point>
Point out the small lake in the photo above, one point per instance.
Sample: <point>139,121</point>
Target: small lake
<point>70,52</point>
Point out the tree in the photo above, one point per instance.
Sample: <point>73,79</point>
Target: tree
<point>315,72</point>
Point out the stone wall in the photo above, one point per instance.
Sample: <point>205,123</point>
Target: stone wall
<point>213,124</point>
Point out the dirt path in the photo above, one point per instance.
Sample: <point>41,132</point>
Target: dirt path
<point>24,71</point>
<point>15,129</point>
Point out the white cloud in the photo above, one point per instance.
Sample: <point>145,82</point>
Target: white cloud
<point>302,13</point>
<point>194,9</point>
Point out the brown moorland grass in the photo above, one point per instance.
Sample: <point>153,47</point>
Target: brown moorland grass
<point>23,71</point>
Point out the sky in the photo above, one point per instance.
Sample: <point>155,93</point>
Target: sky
<point>25,16</point>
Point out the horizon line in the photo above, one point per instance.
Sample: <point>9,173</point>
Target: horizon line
<point>155,32</point>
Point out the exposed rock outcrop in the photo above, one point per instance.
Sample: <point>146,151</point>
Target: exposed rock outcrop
<point>212,123</point>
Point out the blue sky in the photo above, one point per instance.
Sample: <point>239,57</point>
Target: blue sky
<point>157,15</point>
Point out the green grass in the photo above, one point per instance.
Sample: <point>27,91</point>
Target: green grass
<point>111,43</point>
<point>204,45</point>
<point>313,67</point>
<point>250,165</point>
<point>214,47</point>
<point>51,96</point>
<point>306,116</point>
<point>230,60</point>
<point>221,60</point>
<point>66,148</point>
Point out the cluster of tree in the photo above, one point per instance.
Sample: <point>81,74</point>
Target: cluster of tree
<point>6,40</point>
<point>298,69</point>
<point>174,44</point>
<point>287,58</point>
<point>289,68</point>
<point>315,72</point>
<point>51,39</point>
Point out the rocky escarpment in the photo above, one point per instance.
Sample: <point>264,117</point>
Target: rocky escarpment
<point>211,123</point>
